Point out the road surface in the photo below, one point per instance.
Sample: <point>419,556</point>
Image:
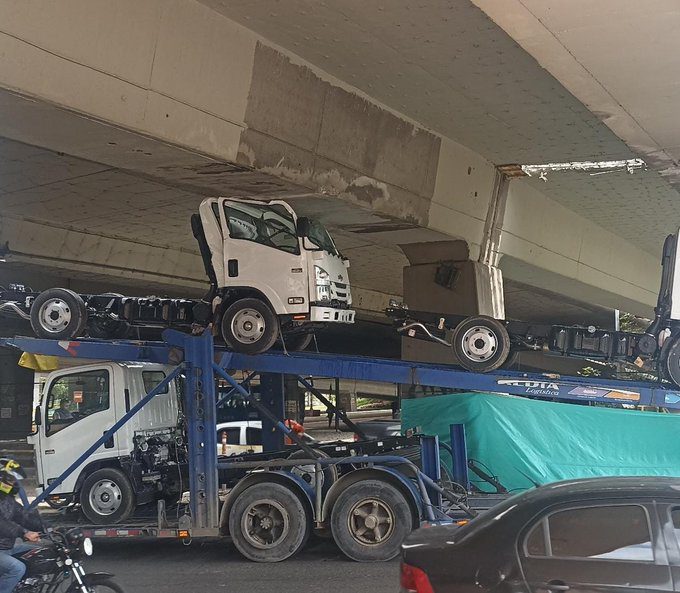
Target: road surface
<point>213,566</point>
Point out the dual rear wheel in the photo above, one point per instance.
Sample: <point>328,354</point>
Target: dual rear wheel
<point>370,519</point>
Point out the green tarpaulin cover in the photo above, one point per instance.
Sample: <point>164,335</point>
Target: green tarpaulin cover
<point>522,441</point>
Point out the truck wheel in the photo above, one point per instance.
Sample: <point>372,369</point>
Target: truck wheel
<point>107,497</point>
<point>669,360</point>
<point>249,326</point>
<point>59,314</point>
<point>481,344</point>
<point>268,523</point>
<point>511,360</point>
<point>298,342</point>
<point>370,520</point>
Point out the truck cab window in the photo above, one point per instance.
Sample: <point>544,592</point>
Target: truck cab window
<point>151,379</point>
<point>318,235</point>
<point>74,397</point>
<point>269,225</point>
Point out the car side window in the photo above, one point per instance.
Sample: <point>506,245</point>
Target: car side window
<point>74,397</point>
<point>535,543</point>
<point>233,435</point>
<point>253,436</point>
<point>616,532</point>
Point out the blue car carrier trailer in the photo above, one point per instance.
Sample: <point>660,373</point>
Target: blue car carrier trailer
<point>368,503</point>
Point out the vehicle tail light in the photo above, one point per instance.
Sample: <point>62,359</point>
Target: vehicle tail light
<point>356,437</point>
<point>414,580</point>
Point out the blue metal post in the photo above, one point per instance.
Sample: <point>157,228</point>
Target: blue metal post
<point>200,417</point>
<point>459,455</point>
<point>429,457</point>
<point>272,397</point>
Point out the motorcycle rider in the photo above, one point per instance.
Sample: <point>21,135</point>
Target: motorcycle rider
<point>15,522</point>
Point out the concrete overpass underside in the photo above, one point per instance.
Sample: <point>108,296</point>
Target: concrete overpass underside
<point>384,122</point>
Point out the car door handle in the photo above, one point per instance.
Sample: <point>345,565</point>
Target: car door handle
<point>554,586</point>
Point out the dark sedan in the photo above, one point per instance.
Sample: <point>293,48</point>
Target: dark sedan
<point>582,536</point>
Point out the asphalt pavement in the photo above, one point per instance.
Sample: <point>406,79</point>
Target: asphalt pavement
<point>170,567</point>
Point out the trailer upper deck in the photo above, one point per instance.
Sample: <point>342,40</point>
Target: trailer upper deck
<point>547,386</point>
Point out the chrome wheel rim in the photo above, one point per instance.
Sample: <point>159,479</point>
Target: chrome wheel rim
<point>479,343</point>
<point>371,522</point>
<point>248,326</point>
<point>105,497</point>
<point>54,315</point>
<point>265,523</point>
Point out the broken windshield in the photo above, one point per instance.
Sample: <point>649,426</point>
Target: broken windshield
<point>270,225</point>
<point>318,235</point>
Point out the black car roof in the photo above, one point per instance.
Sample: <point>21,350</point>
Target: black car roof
<point>628,486</point>
<point>595,488</point>
<point>528,503</point>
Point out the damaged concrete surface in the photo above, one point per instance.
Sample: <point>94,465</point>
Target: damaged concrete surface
<point>333,142</point>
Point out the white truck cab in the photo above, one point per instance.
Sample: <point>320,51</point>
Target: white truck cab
<point>139,462</point>
<point>272,274</point>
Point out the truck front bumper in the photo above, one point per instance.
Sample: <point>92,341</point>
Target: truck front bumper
<point>331,315</point>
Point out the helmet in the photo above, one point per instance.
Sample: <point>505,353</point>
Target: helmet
<point>10,475</point>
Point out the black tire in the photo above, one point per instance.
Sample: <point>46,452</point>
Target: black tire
<point>107,497</point>
<point>249,326</point>
<point>264,512</point>
<point>481,344</point>
<point>511,360</point>
<point>329,473</point>
<point>669,360</point>
<point>389,509</point>
<point>59,314</point>
<point>97,584</point>
<point>298,342</point>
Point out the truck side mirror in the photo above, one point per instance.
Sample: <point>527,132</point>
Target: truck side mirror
<point>303,226</point>
<point>37,418</point>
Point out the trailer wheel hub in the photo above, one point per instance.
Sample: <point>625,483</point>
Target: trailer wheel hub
<point>371,522</point>
<point>479,343</point>
<point>105,497</point>
<point>265,523</point>
<point>248,326</point>
<point>54,315</point>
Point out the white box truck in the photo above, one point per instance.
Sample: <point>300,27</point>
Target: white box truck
<point>273,276</point>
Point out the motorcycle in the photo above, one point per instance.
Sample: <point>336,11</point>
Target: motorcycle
<point>55,567</point>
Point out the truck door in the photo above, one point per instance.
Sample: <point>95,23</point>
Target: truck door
<point>262,251</point>
<point>78,408</point>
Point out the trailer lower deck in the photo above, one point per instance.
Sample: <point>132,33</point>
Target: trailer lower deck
<point>315,492</point>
